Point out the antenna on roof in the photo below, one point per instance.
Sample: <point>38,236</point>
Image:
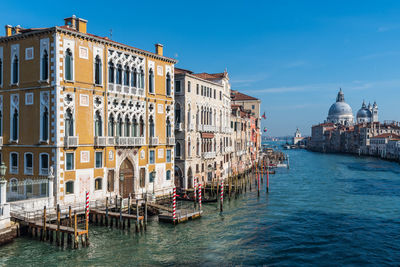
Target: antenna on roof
<point>110,33</point>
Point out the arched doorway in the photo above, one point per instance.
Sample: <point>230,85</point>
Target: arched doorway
<point>178,177</point>
<point>190,178</point>
<point>126,179</point>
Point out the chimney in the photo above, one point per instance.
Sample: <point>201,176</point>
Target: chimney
<point>159,49</point>
<point>8,30</point>
<point>76,24</point>
<point>81,25</point>
<point>71,22</point>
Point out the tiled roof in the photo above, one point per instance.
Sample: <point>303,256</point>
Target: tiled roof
<point>210,76</point>
<point>180,71</point>
<point>387,135</point>
<point>237,96</point>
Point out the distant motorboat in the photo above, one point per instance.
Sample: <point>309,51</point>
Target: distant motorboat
<point>281,165</point>
<point>286,147</point>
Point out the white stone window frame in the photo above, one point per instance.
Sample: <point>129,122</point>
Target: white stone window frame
<point>70,106</point>
<point>69,44</point>
<point>44,104</point>
<point>151,65</point>
<point>14,105</point>
<point>100,109</point>
<point>154,158</point>
<point>44,45</point>
<point>73,162</point>
<point>102,159</point>
<point>11,171</point>
<point>27,53</point>
<point>99,51</point>
<point>14,52</point>
<point>74,188</point>
<point>169,70</point>
<point>26,171</point>
<point>41,172</point>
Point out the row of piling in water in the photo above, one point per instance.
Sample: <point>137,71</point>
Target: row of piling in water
<point>73,225</point>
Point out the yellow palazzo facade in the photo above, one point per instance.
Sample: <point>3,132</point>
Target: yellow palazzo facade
<point>96,113</point>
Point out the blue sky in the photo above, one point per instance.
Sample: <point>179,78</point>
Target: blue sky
<point>293,55</point>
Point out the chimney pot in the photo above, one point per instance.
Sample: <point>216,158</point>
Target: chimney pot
<point>159,49</point>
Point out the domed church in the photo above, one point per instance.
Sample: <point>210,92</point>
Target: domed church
<point>340,112</point>
<point>367,114</point>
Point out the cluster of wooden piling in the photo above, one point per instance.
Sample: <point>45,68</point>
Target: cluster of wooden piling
<point>119,216</point>
<point>47,228</point>
<point>240,183</point>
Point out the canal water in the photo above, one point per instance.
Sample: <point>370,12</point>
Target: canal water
<point>328,210</point>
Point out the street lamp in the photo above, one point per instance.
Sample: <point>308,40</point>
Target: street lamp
<point>3,169</point>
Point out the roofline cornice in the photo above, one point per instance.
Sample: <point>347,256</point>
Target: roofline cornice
<point>25,35</point>
<point>88,37</point>
<point>197,78</point>
<point>117,45</point>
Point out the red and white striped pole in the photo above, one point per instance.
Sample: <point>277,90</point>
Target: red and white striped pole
<point>222,195</point>
<point>195,191</point>
<point>87,204</point>
<point>87,213</point>
<point>174,205</point>
<point>200,196</point>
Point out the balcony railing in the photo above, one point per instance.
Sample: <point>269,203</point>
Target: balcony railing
<point>1,142</point>
<point>71,141</point>
<point>118,88</point>
<point>100,141</point>
<point>126,89</point>
<point>121,141</point>
<point>111,141</point>
<point>170,141</point>
<point>206,128</point>
<point>191,127</point>
<point>129,141</point>
<point>153,141</point>
<point>228,149</point>
<point>111,87</point>
<point>209,155</point>
<point>240,152</point>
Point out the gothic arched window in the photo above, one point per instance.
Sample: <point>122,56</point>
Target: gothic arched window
<point>151,81</point>
<point>68,65</point>
<point>98,124</point>
<point>45,65</point>
<point>111,69</point>
<point>97,70</point>
<point>69,123</point>
<point>168,84</point>
<point>45,124</point>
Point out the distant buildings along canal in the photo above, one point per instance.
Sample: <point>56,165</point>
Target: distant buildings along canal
<point>363,136</point>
